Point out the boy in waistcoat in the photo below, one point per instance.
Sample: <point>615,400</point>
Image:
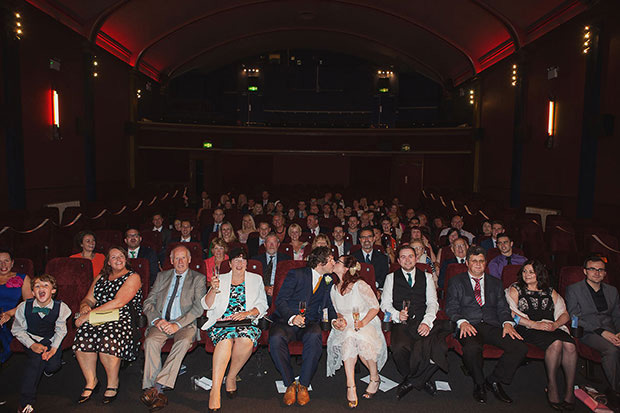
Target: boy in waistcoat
<point>40,325</point>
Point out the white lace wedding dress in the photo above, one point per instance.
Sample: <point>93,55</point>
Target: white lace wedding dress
<point>368,342</point>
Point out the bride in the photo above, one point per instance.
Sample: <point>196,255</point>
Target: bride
<point>351,339</point>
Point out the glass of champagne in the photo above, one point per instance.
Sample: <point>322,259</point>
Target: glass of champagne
<point>216,276</point>
<point>302,310</point>
<point>356,316</point>
<point>406,304</point>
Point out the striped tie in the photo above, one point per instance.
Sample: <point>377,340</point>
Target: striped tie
<point>478,292</point>
<point>316,287</point>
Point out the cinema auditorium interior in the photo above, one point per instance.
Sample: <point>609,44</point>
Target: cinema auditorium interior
<point>277,155</point>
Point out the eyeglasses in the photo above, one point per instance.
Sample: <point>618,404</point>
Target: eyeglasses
<point>599,270</point>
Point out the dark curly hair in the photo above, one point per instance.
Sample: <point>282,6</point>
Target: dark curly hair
<point>542,276</point>
<point>319,255</point>
<point>79,237</point>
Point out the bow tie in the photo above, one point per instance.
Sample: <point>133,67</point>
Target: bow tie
<point>43,310</point>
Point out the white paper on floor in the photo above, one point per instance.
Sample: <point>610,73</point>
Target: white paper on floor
<point>204,383</point>
<point>443,386</point>
<point>386,384</point>
<point>282,388</point>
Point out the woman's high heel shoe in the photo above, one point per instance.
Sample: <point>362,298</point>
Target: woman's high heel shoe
<point>110,399</point>
<point>369,395</point>
<point>352,404</point>
<point>84,399</point>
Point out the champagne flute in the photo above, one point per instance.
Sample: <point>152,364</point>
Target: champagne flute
<point>302,310</point>
<point>356,316</point>
<point>406,304</point>
<point>216,276</point>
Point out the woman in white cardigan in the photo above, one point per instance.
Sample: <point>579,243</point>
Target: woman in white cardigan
<point>236,296</point>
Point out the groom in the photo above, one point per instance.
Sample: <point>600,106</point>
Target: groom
<point>301,285</point>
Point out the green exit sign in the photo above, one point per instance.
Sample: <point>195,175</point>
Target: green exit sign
<point>207,145</point>
<point>384,90</point>
<point>253,88</point>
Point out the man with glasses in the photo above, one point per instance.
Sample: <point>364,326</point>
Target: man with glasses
<point>597,308</point>
<point>135,250</point>
<point>477,304</point>
<point>459,248</point>
<point>373,256</point>
<point>507,257</point>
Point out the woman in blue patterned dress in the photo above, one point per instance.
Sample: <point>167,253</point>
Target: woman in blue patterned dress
<point>236,296</point>
<point>13,288</point>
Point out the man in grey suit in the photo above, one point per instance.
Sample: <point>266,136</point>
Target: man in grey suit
<point>171,310</point>
<point>597,308</point>
<point>476,302</point>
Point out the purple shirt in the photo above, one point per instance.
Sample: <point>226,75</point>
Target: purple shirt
<point>497,264</point>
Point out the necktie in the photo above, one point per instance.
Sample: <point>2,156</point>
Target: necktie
<point>509,260</point>
<point>316,287</point>
<point>461,261</point>
<point>171,301</point>
<point>133,254</point>
<point>478,292</point>
<point>409,279</point>
<point>217,227</point>
<point>367,258</point>
<point>269,268</point>
<point>43,310</point>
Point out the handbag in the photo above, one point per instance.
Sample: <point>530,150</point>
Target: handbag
<point>96,318</point>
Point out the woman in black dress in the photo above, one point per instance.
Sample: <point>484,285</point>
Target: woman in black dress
<point>116,287</point>
<point>541,316</point>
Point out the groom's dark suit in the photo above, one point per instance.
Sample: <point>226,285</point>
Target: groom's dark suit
<point>298,287</point>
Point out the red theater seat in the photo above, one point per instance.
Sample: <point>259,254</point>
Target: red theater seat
<point>23,266</point>
<point>142,267</point>
<point>195,250</point>
<point>509,275</point>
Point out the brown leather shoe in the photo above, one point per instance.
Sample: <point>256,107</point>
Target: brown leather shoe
<point>290,394</point>
<point>303,397</point>
<point>160,402</point>
<point>149,396</point>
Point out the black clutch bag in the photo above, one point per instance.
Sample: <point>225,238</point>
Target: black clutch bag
<point>233,323</point>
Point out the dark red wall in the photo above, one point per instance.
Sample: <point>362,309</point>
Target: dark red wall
<point>550,176</point>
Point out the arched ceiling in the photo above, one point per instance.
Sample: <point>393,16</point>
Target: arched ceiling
<point>449,41</point>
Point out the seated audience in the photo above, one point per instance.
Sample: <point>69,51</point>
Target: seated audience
<point>117,287</point>
<point>459,248</point>
<point>269,261</point>
<point>254,243</point>
<point>321,240</point>
<point>409,296</point>
<point>417,233</point>
<point>171,309</point>
<point>372,256</point>
<point>596,306</point>
<point>257,210</point>
<point>308,286</point>
<point>212,226</point>
<point>135,250</point>
<point>85,240</point>
<point>227,233</point>
<point>247,227</point>
<point>186,232</point>
<point>13,288</point>
<point>40,325</point>
<point>343,246</point>
<point>158,226</point>
<point>235,296</point>
<point>294,232</point>
<point>219,248</point>
<point>541,315</point>
<point>452,235</point>
<point>507,256</point>
<point>312,221</point>
<point>496,228</point>
<point>422,258</point>
<point>484,319</point>
<point>278,226</point>
<point>486,228</point>
<point>301,209</point>
<point>457,223</point>
<point>353,229</point>
<point>357,330</point>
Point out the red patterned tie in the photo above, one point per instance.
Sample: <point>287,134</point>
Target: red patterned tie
<point>478,292</point>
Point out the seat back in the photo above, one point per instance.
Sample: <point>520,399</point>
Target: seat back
<point>286,249</point>
<point>254,266</point>
<point>368,274</point>
<point>569,275</point>
<point>509,275</point>
<point>152,239</point>
<point>23,266</point>
<point>446,254</point>
<point>142,267</point>
<point>74,277</point>
<point>453,270</point>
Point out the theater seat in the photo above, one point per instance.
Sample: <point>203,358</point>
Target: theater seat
<point>254,266</point>
<point>142,267</point>
<point>195,250</point>
<point>509,275</point>
<point>23,266</point>
<point>569,275</point>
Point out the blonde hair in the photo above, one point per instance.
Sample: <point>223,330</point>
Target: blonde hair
<point>293,226</point>
<point>232,231</point>
<point>252,227</point>
<point>321,237</point>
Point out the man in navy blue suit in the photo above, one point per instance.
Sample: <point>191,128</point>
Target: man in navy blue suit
<point>497,227</point>
<point>373,256</point>
<point>311,286</point>
<point>270,259</point>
